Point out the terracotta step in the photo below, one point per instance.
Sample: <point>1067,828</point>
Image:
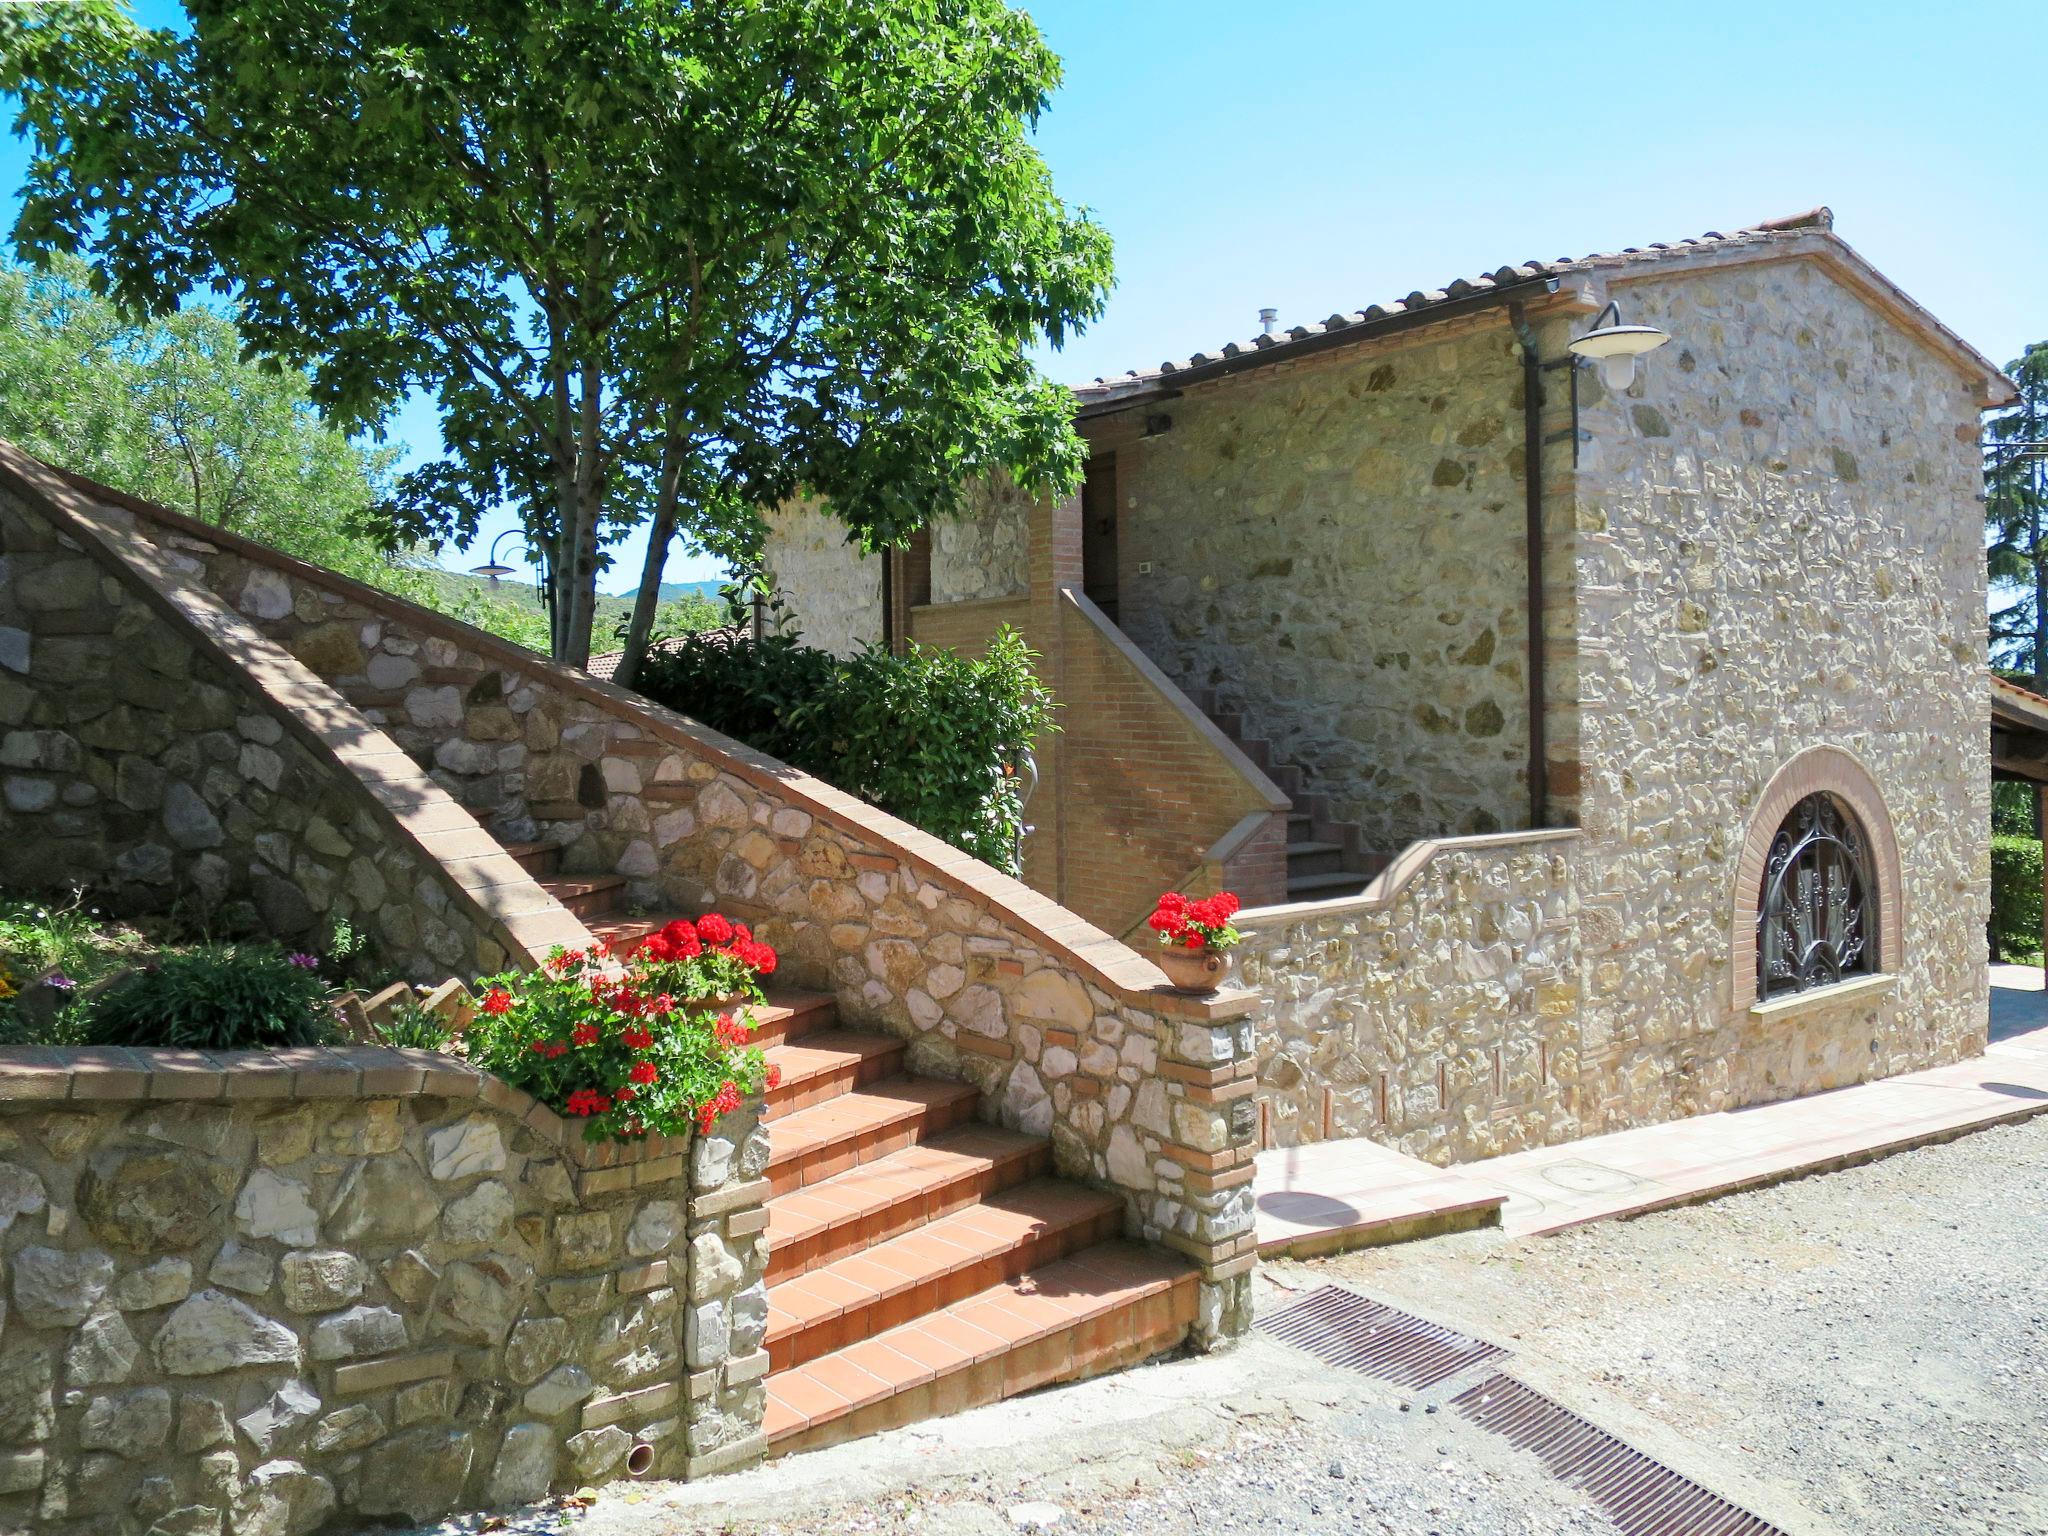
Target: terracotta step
<point>620,931</point>
<point>538,859</point>
<point>588,895</point>
<point>950,1259</point>
<point>1108,1306</point>
<point>895,1194</point>
<point>827,1063</point>
<point>814,1144</point>
<point>792,1015</point>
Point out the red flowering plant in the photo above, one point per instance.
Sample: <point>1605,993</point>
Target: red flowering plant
<point>713,957</point>
<point>612,1043</point>
<point>1204,924</point>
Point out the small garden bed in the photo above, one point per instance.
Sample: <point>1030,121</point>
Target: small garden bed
<point>655,1039</point>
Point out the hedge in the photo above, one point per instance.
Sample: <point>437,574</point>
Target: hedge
<point>2015,898</point>
<point>927,736</point>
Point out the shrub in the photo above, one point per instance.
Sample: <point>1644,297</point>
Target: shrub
<point>219,997</point>
<point>2015,898</point>
<point>2012,809</point>
<point>618,1046</point>
<point>927,736</point>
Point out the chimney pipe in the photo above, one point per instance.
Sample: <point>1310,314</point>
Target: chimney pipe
<point>1269,321</point>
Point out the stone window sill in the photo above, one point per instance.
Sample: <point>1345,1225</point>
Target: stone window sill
<point>1864,989</point>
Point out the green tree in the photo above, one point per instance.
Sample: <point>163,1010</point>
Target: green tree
<point>2016,521</point>
<point>655,260</point>
<point>169,411</point>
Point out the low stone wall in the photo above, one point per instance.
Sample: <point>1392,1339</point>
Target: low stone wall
<point>1437,1014</point>
<point>277,1292</point>
<point>157,751</point>
<point>1067,1032</point>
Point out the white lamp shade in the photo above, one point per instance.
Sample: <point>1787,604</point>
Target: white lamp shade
<point>1615,348</point>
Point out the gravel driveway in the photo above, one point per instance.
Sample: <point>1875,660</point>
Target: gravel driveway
<point>1874,1342</point>
<point>1860,1352</point>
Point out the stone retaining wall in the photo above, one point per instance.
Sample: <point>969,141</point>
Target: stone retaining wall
<point>272,1292</point>
<point>1437,1014</point>
<point>1066,1031</point>
<point>154,750</point>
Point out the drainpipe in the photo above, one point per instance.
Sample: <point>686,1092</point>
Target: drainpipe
<point>1532,488</point>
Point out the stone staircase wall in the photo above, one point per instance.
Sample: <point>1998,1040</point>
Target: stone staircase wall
<point>1064,1030</point>
<point>275,1291</point>
<point>159,751</point>
<point>1438,1013</point>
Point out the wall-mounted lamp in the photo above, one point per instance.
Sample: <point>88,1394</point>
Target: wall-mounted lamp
<point>494,567</point>
<point>1615,347</point>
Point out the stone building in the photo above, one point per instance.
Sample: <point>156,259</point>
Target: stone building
<point>1519,771</point>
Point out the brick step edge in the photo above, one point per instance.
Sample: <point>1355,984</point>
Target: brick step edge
<point>860,1062</point>
<point>1104,1308</point>
<point>972,1263</point>
<point>905,1125</point>
<point>977,1176</point>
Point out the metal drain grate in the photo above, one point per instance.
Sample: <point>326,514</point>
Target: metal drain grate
<point>1347,1329</point>
<point>1641,1496</point>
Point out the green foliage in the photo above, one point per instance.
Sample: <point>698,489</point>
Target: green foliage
<point>2015,898</point>
<point>218,997</point>
<point>2012,809</point>
<point>2016,522</point>
<point>926,736</point>
<point>410,1025</point>
<point>653,260</point>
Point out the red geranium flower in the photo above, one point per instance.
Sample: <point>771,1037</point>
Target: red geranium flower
<point>584,1034</point>
<point>714,929</point>
<point>587,1101</point>
<point>644,1072</point>
<point>636,1037</point>
<point>497,1001</point>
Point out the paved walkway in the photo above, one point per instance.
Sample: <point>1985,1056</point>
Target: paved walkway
<point>1356,1193</point>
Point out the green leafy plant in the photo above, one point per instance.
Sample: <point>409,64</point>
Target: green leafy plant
<point>219,997</point>
<point>412,1027</point>
<point>2015,898</point>
<point>610,1044</point>
<point>931,736</point>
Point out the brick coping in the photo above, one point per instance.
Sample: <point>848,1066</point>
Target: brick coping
<point>1390,882</point>
<point>113,1074</point>
<point>1094,953</point>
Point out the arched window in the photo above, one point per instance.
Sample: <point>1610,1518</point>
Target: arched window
<point>1817,917</point>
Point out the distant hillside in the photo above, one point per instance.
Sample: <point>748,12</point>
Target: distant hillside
<point>512,607</point>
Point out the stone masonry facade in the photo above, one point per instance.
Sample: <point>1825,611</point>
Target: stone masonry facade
<point>1335,548</point>
<point>1778,548</point>
<point>256,1294</point>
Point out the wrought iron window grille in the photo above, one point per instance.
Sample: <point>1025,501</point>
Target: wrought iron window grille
<point>1816,919</point>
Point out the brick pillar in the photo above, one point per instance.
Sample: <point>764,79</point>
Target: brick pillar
<point>2041,796</point>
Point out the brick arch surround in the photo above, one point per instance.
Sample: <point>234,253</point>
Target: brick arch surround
<point>1817,770</point>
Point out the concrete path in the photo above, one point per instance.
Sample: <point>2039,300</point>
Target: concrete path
<point>1355,1193</point>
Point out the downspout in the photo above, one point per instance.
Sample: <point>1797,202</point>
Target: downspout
<point>888,556</point>
<point>1532,497</point>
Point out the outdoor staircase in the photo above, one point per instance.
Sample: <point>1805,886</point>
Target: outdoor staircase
<point>920,1261</point>
<point>1326,856</point>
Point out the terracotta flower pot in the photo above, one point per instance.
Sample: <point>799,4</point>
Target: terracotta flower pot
<point>1194,970</point>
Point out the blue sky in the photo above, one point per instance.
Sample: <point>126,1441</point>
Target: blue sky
<point>1324,156</point>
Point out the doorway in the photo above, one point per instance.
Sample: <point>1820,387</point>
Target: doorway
<point>1098,533</point>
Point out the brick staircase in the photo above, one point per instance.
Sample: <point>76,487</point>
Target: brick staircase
<point>920,1262</point>
<point>1326,857</point>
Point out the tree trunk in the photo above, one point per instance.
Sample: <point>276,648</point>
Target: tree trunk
<point>659,535</point>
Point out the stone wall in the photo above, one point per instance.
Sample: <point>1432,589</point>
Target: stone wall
<point>1780,547</point>
<point>1066,1031</point>
<point>281,1292</point>
<point>1437,1015</point>
<point>829,591</point>
<point>143,765</point>
<point>986,551</point>
<point>1337,550</point>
